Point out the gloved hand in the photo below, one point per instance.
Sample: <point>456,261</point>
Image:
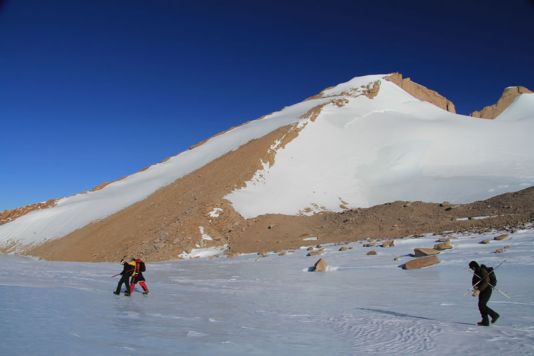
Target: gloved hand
<point>475,293</point>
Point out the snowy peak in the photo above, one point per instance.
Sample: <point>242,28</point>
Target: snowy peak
<point>507,98</point>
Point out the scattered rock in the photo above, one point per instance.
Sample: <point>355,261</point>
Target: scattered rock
<point>310,248</point>
<point>315,253</point>
<point>507,247</point>
<point>371,253</point>
<point>388,243</point>
<point>420,251</point>
<point>443,240</point>
<point>343,248</point>
<point>484,242</point>
<point>369,244</point>
<point>499,250</point>
<point>421,262</point>
<point>443,246</point>
<point>320,266</point>
<point>501,237</point>
<point>282,253</point>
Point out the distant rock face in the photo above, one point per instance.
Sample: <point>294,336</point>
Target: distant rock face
<point>421,92</point>
<point>419,252</point>
<point>320,266</point>
<point>421,262</point>
<point>508,96</point>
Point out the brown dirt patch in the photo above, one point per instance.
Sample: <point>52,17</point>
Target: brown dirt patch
<point>421,92</point>
<point>507,97</point>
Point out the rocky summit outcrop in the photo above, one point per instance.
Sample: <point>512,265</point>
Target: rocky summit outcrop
<point>421,262</point>
<point>508,96</point>
<point>421,92</point>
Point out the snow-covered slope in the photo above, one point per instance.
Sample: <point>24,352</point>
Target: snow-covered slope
<point>365,305</point>
<point>358,152</point>
<point>393,147</point>
<point>77,211</point>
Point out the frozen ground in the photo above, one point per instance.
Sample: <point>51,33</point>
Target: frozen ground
<point>271,305</point>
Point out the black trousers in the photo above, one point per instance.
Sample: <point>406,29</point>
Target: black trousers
<point>483,300</point>
<point>125,279</point>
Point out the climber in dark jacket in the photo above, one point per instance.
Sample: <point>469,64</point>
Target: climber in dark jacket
<point>127,270</point>
<point>482,288</point>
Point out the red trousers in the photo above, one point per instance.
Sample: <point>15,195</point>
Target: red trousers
<point>141,283</point>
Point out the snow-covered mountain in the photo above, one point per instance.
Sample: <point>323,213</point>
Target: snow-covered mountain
<point>371,140</point>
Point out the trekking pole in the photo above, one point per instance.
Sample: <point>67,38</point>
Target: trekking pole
<point>115,275</point>
<point>495,287</point>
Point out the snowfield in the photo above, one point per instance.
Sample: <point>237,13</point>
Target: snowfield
<point>365,305</point>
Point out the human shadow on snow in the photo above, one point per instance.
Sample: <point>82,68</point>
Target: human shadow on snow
<point>403,315</point>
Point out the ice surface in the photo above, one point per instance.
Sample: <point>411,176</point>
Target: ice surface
<point>365,305</point>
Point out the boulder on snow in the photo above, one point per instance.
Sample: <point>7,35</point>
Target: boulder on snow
<point>344,248</point>
<point>499,250</point>
<point>369,244</point>
<point>443,246</point>
<point>501,237</point>
<point>421,262</point>
<point>371,253</point>
<point>319,266</point>
<point>315,253</point>
<point>484,242</point>
<point>388,243</point>
<point>443,240</point>
<point>421,251</point>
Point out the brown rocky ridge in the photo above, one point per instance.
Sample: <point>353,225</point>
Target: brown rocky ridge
<point>508,96</point>
<point>421,92</point>
<point>12,214</point>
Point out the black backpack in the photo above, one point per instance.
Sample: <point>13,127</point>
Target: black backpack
<point>492,276</point>
<point>142,266</point>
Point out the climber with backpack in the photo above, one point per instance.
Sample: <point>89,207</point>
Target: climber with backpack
<point>137,276</point>
<point>127,271</point>
<point>483,282</point>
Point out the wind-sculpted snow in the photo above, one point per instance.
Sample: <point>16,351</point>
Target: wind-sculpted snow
<point>251,305</point>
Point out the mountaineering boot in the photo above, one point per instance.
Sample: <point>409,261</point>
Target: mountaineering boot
<point>116,293</point>
<point>494,318</point>
<point>483,323</point>
<point>145,292</point>
<point>126,294</point>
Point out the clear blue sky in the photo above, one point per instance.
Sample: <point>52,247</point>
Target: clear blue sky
<point>92,90</point>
